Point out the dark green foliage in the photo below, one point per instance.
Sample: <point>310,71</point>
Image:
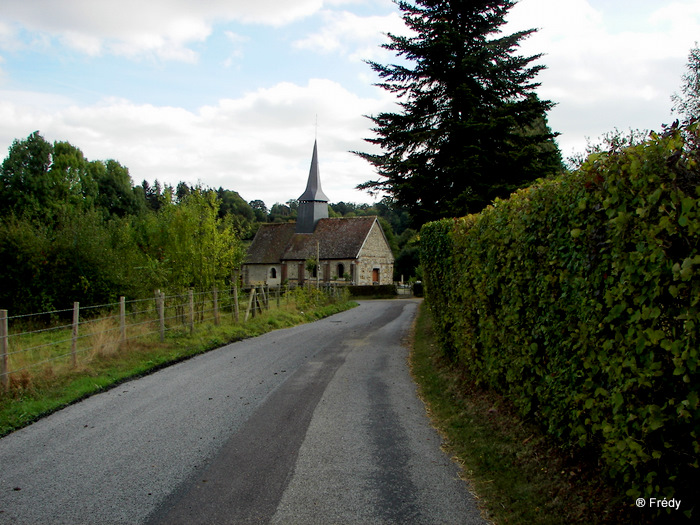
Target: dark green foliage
<point>259,209</point>
<point>74,230</point>
<point>80,258</point>
<point>40,181</point>
<point>579,299</point>
<point>407,262</point>
<point>232,203</point>
<point>370,291</point>
<point>115,192</point>
<point>283,212</point>
<point>156,196</point>
<point>471,127</point>
<point>418,289</point>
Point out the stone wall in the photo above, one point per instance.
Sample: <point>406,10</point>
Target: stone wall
<point>375,255</point>
<point>262,273</point>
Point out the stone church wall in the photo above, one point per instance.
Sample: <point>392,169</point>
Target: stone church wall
<point>375,256</point>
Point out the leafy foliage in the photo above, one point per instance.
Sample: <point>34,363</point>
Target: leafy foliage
<point>471,127</point>
<point>190,246</point>
<point>579,298</point>
<point>78,230</point>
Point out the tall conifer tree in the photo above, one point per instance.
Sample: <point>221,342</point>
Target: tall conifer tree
<point>471,127</point>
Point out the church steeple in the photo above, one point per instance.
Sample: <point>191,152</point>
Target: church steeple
<point>313,203</point>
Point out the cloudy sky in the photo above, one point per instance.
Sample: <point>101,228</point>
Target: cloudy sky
<point>232,93</point>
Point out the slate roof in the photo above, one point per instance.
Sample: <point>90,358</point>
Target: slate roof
<point>313,190</point>
<point>269,243</point>
<point>337,238</point>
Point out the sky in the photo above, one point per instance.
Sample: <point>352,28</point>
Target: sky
<point>233,93</point>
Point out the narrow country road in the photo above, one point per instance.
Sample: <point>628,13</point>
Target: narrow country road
<point>315,424</point>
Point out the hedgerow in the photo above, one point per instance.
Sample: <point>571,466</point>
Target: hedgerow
<point>579,299</point>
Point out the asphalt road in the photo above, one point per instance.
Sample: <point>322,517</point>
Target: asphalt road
<point>319,423</point>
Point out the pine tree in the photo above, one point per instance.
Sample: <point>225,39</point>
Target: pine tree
<point>471,127</point>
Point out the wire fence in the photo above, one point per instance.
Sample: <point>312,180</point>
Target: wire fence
<point>30,341</point>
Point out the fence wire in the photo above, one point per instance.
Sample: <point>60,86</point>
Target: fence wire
<point>35,347</point>
<point>28,349</point>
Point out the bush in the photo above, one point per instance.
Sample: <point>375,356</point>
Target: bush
<point>418,289</point>
<point>579,298</point>
<point>373,290</point>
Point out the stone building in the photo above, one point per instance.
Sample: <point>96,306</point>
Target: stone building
<point>351,250</point>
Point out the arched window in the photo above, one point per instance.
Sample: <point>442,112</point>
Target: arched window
<point>341,270</point>
<point>273,273</point>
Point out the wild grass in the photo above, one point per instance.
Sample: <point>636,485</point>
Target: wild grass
<point>41,384</point>
<point>518,475</point>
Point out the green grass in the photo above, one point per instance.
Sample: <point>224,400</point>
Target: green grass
<point>38,393</point>
<point>518,475</point>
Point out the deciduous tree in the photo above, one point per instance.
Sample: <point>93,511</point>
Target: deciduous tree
<point>687,102</point>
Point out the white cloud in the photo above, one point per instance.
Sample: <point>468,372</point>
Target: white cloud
<point>608,74</point>
<point>259,145</point>
<point>8,36</point>
<point>163,28</point>
<point>358,37</point>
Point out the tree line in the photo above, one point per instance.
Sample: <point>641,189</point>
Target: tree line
<point>78,230</point>
<point>470,128</point>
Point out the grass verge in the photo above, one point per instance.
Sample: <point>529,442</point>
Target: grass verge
<point>39,394</point>
<point>518,475</point>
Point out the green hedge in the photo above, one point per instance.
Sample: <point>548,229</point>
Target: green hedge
<point>578,298</point>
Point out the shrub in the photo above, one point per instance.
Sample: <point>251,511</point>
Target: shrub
<point>373,290</point>
<point>418,289</point>
<point>579,298</point>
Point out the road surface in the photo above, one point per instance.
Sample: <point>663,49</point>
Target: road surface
<point>319,423</point>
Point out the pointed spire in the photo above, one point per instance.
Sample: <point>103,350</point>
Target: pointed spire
<point>313,186</point>
<point>313,203</point>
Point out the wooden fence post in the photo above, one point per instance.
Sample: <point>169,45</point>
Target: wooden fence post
<point>122,320</point>
<point>4,335</point>
<point>191,301</point>
<point>251,302</point>
<point>236,313</point>
<point>74,338</point>
<point>160,306</point>
<point>264,298</point>
<point>216,306</point>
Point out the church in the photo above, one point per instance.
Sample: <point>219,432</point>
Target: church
<point>352,250</point>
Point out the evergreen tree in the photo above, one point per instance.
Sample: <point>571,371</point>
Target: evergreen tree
<point>471,127</point>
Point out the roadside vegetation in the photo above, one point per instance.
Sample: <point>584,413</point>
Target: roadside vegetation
<point>39,391</point>
<point>577,299</point>
<point>519,476</point>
